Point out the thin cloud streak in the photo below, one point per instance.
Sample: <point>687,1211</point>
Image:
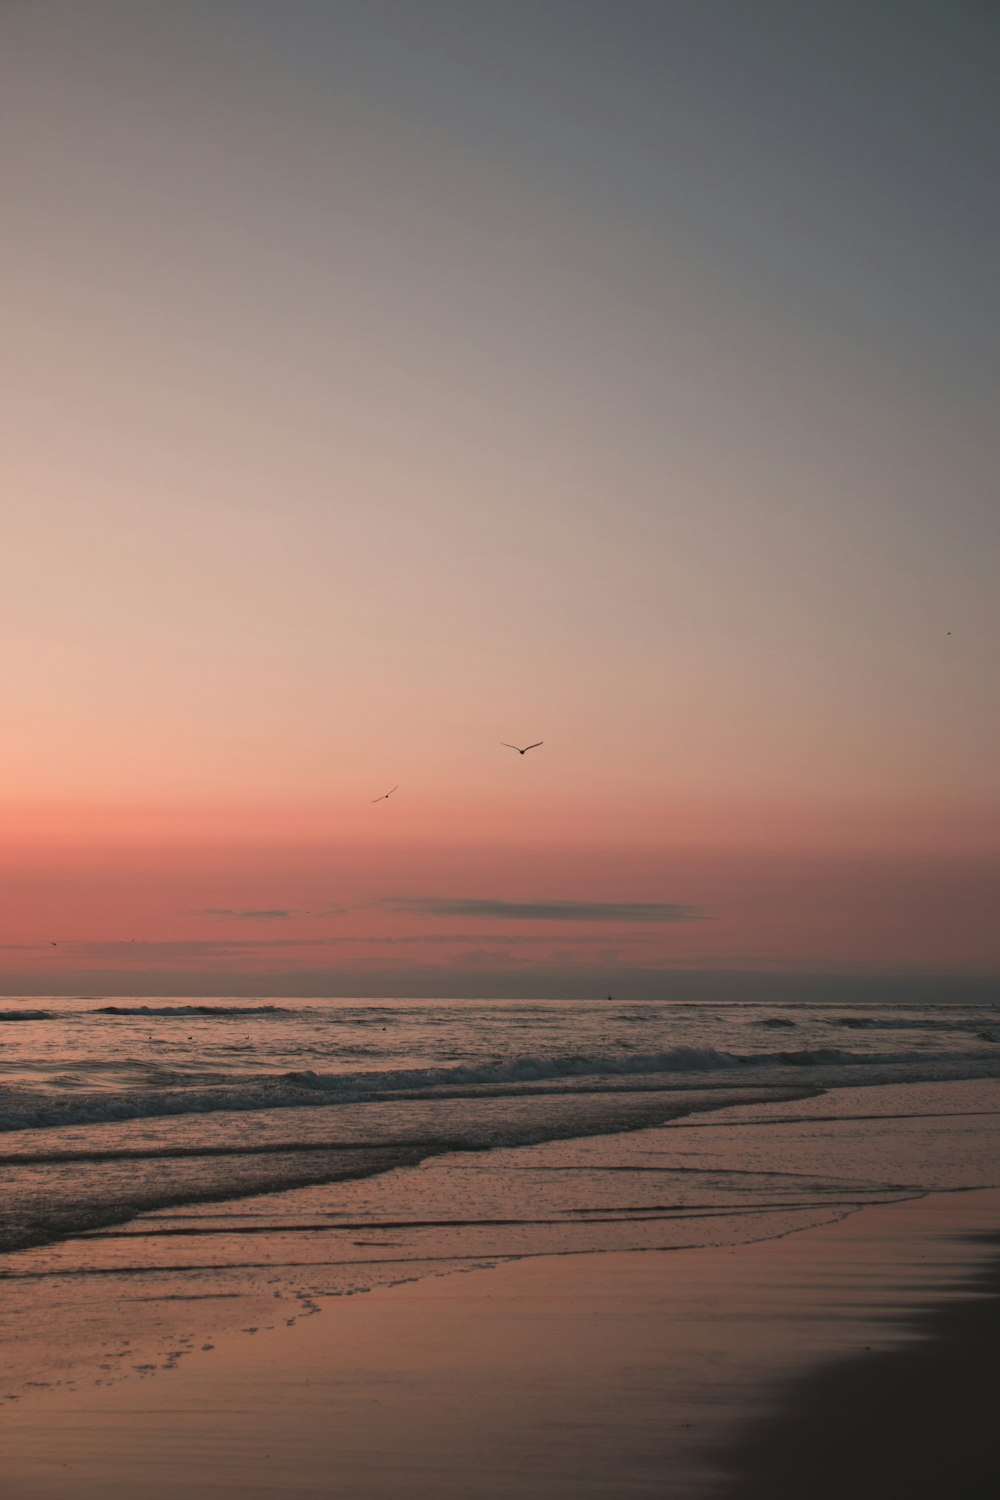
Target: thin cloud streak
<point>545,911</point>
<point>271,914</point>
<point>265,914</point>
<point>151,948</point>
<point>208,947</point>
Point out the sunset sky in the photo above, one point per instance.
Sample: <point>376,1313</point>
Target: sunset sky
<point>387,379</point>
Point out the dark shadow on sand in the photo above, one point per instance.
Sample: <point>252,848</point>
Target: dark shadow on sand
<point>920,1421</point>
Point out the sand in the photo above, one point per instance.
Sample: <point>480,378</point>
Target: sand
<point>777,1369</point>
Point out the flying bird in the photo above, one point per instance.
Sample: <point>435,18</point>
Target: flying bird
<point>526,748</point>
<point>386,794</point>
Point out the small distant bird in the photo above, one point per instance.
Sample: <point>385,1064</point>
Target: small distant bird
<point>526,748</point>
<point>386,794</point>
<point>52,944</point>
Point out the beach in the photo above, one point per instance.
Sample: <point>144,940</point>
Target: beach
<point>774,1368</point>
<point>717,1268</point>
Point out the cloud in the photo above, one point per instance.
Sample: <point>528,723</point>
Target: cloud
<point>144,949</point>
<point>252,914</point>
<point>266,913</point>
<point>441,939</point>
<point>544,911</point>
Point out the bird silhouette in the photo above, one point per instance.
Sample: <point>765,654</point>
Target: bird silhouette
<point>386,794</point>
<point>526,748</point>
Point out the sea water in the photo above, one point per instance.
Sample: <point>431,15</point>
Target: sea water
<point>172,1167</point>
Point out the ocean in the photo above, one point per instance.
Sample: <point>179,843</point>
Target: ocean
<point>173,1167</point>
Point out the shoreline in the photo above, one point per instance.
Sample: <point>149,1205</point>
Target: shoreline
<point>627,1373</point>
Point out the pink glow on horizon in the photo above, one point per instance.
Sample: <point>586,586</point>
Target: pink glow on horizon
<point>307,909</point>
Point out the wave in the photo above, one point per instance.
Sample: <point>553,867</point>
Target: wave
<point>904,1023</point>
<point>188,1010</point>
<point>23,1108</point>
<point>26,1015</point>
<point>532,1069</point>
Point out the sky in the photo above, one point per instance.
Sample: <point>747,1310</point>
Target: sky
<point>384,381</point>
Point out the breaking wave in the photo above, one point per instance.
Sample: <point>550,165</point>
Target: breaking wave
<point>23,1107</point>
<point>188,1010</point>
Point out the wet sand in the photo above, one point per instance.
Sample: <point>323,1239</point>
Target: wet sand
<point>858,1354</point>
<point>918,1420</point>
